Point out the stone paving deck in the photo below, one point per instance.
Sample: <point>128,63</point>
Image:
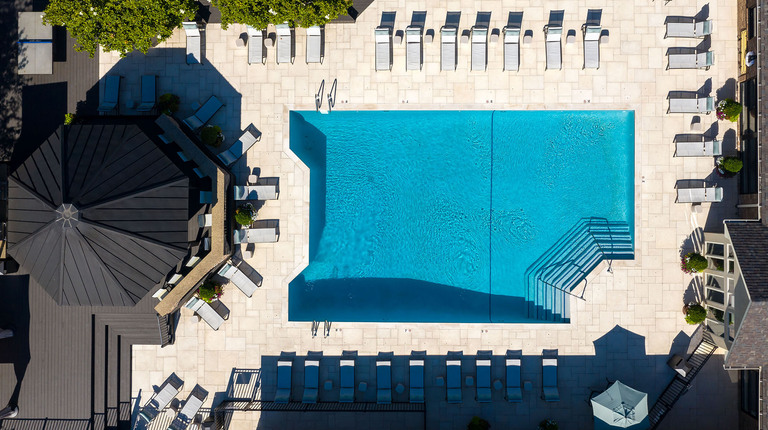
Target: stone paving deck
<point>640,302</point>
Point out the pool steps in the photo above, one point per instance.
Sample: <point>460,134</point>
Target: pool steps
<point>568,263</point>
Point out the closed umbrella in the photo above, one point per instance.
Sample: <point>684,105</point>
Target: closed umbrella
<point>621,407</point>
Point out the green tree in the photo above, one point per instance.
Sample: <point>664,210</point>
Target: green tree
<point>119,25</point>
<point>301,13</point>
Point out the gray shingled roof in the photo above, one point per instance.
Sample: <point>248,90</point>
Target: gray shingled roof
<point>98,215</point>
<point>750,243</point>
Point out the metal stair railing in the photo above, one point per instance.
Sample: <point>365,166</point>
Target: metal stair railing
<point>680,384</point>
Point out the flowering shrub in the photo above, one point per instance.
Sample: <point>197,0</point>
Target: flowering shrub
<point>693,262</point>
<point>211,135</point>
<point>728,109</point>
<point>168,103</point>
<point>210,292</point>
<point>244,214</point>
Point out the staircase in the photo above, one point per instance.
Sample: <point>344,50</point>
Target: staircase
<point>568,262</point>
<point>680,384</point>
<point>113,338</point>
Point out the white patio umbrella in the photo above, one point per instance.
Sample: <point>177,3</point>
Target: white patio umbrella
<point>621,407</point>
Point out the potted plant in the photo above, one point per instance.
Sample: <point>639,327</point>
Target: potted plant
<point>729,166</point>
<point>728,109</point>
<point>210,291</point>
<point>211,135</point>
<point>245,214</point>
<point>693,262</point>
<point>168,103</point>
<point>69,118</point>
<point>548,425</point>
<point>478,423</point>
<point>694,313</point>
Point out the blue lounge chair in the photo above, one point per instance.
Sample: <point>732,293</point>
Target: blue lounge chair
<point>550,392</point>
<point>204,113</point>
<point>453,380</point>
<point>239,148</point>
<point>383,382</point>
<point>283,394</point>
<point>311,377</point>
<point>148,93</point>
<point>347,381</point>
<point>483,379</point>
<point>111,93</point>
<point>416,391</point>
<point>513,392</point>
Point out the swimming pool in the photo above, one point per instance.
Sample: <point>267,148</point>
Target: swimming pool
<point>459,216</point>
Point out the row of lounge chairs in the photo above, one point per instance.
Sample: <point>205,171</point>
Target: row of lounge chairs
<point>692,145</point>
<point>285,44</point>
<point>414,40</point>
<point>453,382</point>
<point>109,102</point>
<point>163,397</point>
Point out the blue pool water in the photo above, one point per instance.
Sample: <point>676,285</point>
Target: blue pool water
<point>442,216</point>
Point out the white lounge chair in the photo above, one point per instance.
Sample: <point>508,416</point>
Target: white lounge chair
<point>284,367</point>
<point>591,46</point>
<point>205,220</point>
<point>383,37</point>
<point>383,381</point>
<point>250,136</point>
<point>479,48</point>
<point>256,192</point>
<point>550,393</point>
<point>162,398</point>
<point>240,279</point>
<point>453,380</point>
<point>148,93</point>
<point>191,407</point>
<point>416,380</point>
<point>347,380</point>
<point>35,45</point>
<point>311,380</point>
<point>284,44</point>
<point>554,51</point>
<point>483,379</point>
<point>448,48</point>
<point>689,58</point>
<point>689,102</point>
<point>511,49</point>
<point>205,312</point>
<point>687,26</point>
<point>315,44</point>
<point>111,93</point>
<point>696,145</point>
<point>204,113</point>
<point>256,235</point>
<point>513,393</point>
<point>704,193</point>
<point>255,45</point>
<point>194,42</point>
<point>414,47</point>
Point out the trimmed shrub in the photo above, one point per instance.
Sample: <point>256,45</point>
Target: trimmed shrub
<point>478,423</point>
<point>244,214</point>
<point>731,164</point>
<point>695,314</point>
<point>168,103</point>
<point>211,135</point>
<point>693,262</point>
<point>548,425</point>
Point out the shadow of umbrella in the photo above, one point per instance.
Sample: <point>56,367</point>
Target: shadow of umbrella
<point>14,309</point>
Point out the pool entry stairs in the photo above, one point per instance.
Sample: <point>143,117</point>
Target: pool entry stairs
<point>561,271</point>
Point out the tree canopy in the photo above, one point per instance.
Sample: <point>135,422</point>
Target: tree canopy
<point>259,13</point>
<point>119,25</point>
